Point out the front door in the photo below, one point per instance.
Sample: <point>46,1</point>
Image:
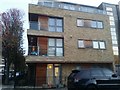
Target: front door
<point>53,74</point>
<point>56,74</point>
<point>40,74</point>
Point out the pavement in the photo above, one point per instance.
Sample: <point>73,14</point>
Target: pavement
<point>28,88</point>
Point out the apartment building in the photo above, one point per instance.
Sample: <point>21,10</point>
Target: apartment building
<point>65,36</point>
<point>113,13</point>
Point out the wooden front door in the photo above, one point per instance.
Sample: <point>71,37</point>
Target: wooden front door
<point>41,74</point>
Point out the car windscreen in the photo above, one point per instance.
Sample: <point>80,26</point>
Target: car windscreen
<point>83,74</point>
<point>74,72</point>
<point>107,72</point>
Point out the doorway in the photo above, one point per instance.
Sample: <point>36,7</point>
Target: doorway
<point>53,74</point>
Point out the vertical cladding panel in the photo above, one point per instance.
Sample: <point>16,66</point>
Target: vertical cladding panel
<point>43,20</point>
<point>43,45</point>
<point>41,74</point>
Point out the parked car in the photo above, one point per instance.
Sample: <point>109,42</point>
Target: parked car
<point>93,79</point>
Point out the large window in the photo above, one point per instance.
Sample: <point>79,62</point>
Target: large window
<point>55,47</point>
<point>96,44</point>
<point>90,23</point>
<point>55,25</point>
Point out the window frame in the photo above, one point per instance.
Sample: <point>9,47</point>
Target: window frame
<point>81,24</point>
<point>56,26</point>
<point>103,44</point>
<point>56,47</point>
<point>100,27</point>
<point>96,47</point>
<point>88,23</point>
<point>98,44</point>
<point>83,43</point>
<point>109,9</point>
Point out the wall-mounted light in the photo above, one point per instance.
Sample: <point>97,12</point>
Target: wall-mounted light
<point>49,66</point>
<point>70,36</point>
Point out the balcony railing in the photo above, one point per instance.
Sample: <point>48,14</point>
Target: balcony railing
<point>36,26</point>
<point>36,51</point>
<point>70,6</point>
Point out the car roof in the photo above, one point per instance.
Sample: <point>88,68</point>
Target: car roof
<point>97,68</point>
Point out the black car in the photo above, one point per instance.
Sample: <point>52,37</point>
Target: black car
<point>93,79</point>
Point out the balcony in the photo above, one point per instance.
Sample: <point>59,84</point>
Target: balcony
<point>34,25</point>
<point>37,26</point>
<point>72,7</point>
<point>36,51</point>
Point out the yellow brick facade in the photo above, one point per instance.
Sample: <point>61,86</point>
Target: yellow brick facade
<point>72,33</point>
<point>74,56</point>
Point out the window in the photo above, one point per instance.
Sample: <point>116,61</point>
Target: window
<point>55,25</point>
<point>80,22</point>
<point>115,52</point>
<point>102,45</point>
<point>93,24</point>
<point>84,9</point>
<point>59,42</point>
<point>95,44</point>
<point>109,9</point>
<point>91,44</point>
<point>66,6</point>
<point>81,44</point>
<point>52,21</point>
<point>96,24</point>
<point>110,13</point>
<point>112,23</point>
<point>113,33</point>
<point>90,23</point>
<point>99,45</point>
<point>114,42</point>
<point>100,24</point>
<point>84,43</point>
<point>112,29</point>
<point>55,47</point>
<point>49,4</point>
<point>111,18</point>
<point>59,51</point>
<point>115,48</point>
<point>72,7</point>
<point>114,37</point>
<point>51,42</point>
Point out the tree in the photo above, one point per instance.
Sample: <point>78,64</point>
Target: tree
<point>12,32</point>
